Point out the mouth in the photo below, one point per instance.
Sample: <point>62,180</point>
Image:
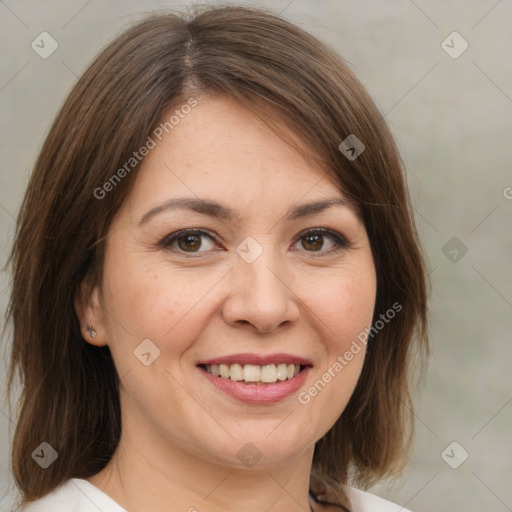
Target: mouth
<point>256,379</point>
<point>254,374</point>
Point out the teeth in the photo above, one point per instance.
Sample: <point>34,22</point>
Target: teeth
<point>236,372</point>
<point>253,373</point>
<point>269,373</point>
<point>224,371</point>
<point>282,371</point>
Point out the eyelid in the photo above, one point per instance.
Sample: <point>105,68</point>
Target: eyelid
<point>172,237</point>
<point>341,242</point>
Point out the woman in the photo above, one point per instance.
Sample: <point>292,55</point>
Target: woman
<point>218,287</point>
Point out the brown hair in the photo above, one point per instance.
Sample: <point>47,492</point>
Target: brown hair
<point>69,392</point>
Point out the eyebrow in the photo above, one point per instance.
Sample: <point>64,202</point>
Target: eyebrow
<point>219,211</point>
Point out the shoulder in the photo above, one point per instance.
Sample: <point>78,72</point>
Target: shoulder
<point>74,495</point>
<point>360,501</point>
<point>366,502</point>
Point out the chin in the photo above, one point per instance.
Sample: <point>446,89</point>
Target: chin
<point>261,447</point>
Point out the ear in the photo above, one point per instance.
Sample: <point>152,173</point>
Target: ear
<point>90,313</point>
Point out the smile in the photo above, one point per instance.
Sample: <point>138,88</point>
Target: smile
<point>254,374</point>
<point>255,378</point>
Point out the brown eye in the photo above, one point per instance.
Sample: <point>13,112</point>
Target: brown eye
<point>313,242</point>
<point>189,241</point>
<point>322,241</point>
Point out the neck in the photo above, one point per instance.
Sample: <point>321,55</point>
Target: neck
<point>143,476</point>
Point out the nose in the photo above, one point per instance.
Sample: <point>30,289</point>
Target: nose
<point>260,298</point>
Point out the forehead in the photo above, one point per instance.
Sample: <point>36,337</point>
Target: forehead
<point>232,133</point>
<point>221,151</point>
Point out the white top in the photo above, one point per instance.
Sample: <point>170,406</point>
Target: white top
<point>78,495</point>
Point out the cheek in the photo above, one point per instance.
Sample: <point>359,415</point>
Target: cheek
<point>344,310</point>
<point>343,313</point>
<point>156,303</point>
<point>344,305</point>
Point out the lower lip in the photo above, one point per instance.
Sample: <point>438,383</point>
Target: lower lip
<point>258,394</point>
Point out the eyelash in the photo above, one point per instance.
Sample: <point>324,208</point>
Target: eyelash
<point>339,241</point>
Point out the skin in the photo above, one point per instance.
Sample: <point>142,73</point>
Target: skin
<point>180,435</point>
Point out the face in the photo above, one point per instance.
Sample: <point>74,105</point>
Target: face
<point>215,264</point>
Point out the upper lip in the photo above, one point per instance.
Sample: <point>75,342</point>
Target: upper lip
<point>257,359</point>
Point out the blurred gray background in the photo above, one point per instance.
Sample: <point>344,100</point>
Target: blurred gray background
<point>451,112</point>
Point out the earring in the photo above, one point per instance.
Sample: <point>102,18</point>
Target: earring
<point>90,330</point>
